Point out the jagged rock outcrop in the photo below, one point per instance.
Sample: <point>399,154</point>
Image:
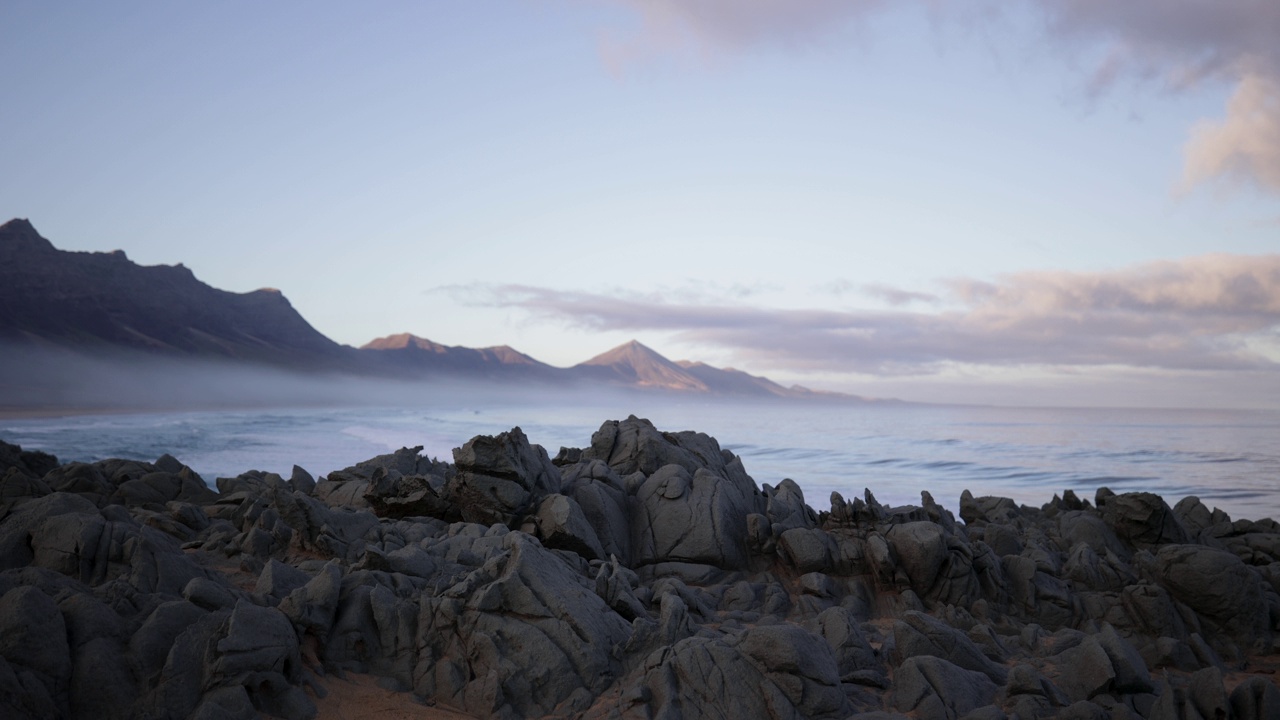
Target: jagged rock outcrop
<point>644,576</point>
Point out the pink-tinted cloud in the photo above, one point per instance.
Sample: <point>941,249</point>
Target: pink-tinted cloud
<point>1215,312</point>
<point>1183,43</point>
<point>1245,145</point>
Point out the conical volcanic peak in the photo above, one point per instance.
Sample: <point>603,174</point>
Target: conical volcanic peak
<point>635,363</point>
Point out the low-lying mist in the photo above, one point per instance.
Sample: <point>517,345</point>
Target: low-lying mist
<point>51,380</point>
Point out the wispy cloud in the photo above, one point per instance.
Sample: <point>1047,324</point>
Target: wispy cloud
<point>715,25</point>
<point>1185,43</point>
<point>1245,145</point>
<point>899,297</point>
<point>1214,312</point>
<point>1180,43</point>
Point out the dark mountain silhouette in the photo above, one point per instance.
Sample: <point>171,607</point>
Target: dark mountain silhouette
<point>98,304</point>
<point>80,300</point>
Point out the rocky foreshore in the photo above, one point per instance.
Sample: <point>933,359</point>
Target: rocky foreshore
<point>644,576</point>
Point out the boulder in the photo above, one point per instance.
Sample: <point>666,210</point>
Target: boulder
<point>1142,519</point>
<point>1218,586</point>
<point>524,632</point>
<point>33,637</point>
<point>1256,698</point>
<point>920,549</point>
<point>930,687</point>
<point>697,517</point>
<point>500,478</point>
<point>562,525</point>
<point>917,634</point>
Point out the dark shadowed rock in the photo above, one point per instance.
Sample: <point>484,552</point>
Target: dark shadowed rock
<point>1217,585</point>
<point>562,525</point>
<point>931,687</point>
<point>1142,519</point>
<point>33,637</point>
<point>919,634</point>
<point>644,577</point>
<point>500,478</point>
<point>697,517</point>
<point>1256,699</point>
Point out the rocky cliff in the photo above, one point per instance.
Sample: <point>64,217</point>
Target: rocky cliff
<point>645,575</point>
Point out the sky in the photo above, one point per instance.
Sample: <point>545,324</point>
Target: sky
<point>1032,202</point>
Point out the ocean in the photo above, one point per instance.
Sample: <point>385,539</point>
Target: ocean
<point>1229,459</point>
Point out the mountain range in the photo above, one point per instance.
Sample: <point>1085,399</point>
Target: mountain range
<point>91,303</point>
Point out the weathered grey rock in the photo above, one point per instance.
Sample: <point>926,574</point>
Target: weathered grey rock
<point>1207,694</point>
<point>700,677</point>
<point>934,688</point>
<point>1130,670</point>
<point>258,650</point>
<point>917,634</point>
<point>278,579</point>
<point>23,696</point>
<point>603,498</point>
<point>920,549</point>
<point>700,595</point>
<point>226,703</point>
<point>101,684</point>
<point>17,487</point>
<point>807,549</point>
<point>302,481</point>
<point>151,644</point>
<point>987,509</point>
<point>208,594</point>
<point>1084,670</point>
<point>855,660</point>
<point>801,665</point>
<point>32,463</point>
<point>1256,698</point>
<point>697,518</point>
<point>616,584</point>
<point>635,445</point>
<point>500,478</point>
<point>33,637</point>
<point>15,531</point>
<point>786,509</point>
<point>523,631</point>
<point>313,606</point>
<point>1218,586</point>
<point>1142,519</point>
<point>562,525</point>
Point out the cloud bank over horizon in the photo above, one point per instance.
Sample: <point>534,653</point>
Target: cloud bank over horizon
<point>1180,45</point>
<point>1211,313</point>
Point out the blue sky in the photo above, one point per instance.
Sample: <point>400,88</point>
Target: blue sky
<point>707,176</point>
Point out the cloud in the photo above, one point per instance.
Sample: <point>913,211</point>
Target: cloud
<point>1212,313</point>
<point>897,296</point>
<point>1182,43</point>
<point>1244,146</point>
<point>736,24</point>
<point>1185,43</point>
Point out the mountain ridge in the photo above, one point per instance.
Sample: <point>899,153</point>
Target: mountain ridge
<point>93,301</point>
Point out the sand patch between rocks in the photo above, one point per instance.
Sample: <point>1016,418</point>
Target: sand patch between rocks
<point>358,697</point>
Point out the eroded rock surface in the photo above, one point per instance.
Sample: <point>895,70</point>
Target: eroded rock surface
<point>646,575</point>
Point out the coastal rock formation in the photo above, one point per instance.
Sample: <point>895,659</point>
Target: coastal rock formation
<point>646,575</point>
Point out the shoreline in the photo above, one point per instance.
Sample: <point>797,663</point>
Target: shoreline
<point>642,575</point>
